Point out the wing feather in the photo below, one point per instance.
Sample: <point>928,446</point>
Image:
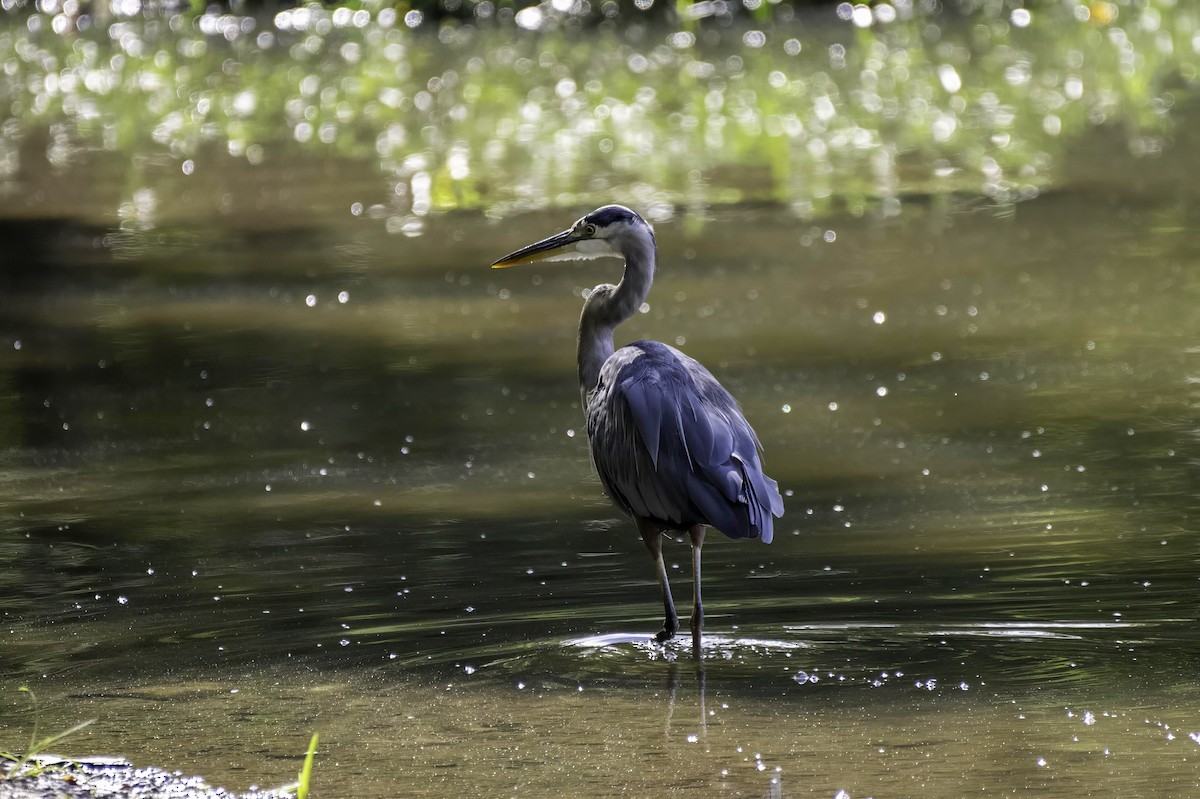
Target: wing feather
<point>670,444</point>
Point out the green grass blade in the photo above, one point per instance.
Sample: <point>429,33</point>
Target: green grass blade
<point>50,740</point>
<point>305,776</point>
<point>36,746</point>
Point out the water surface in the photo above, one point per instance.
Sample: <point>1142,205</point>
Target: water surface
<point>267,473</point>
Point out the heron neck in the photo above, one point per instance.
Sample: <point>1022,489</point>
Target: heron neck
<point>602,314</point>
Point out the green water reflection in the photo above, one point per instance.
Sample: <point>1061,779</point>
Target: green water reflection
<point>819,114</point>
<point>281,454</point>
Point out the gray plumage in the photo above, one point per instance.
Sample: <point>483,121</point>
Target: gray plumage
<point>671,446</point>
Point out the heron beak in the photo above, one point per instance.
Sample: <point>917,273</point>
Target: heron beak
<point>537,250</point>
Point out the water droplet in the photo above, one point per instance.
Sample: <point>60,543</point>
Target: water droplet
<point>949,78</point>
<point>754,39</point>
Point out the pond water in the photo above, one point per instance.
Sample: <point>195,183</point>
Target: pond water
<point>282,455</point>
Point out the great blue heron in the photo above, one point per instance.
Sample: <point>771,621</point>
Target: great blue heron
<point>671,445</point>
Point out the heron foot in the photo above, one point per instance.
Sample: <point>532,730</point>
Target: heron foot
<point>667,632</point>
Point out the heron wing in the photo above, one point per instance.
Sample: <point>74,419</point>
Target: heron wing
<point>671,444</point>
<point>623,461</point>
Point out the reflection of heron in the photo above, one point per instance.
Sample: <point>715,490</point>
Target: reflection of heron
<point>672,689</point>
<point>671,445</point>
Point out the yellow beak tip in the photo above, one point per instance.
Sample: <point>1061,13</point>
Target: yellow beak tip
<point>536,251</point>
<point>505,263</point>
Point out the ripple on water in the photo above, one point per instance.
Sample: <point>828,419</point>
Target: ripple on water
<point>745,650</point>
<point>1067,631</point>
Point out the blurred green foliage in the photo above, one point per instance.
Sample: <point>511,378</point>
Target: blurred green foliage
<point>852,106</point>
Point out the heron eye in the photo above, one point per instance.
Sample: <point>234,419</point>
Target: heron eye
<point>590,230</point>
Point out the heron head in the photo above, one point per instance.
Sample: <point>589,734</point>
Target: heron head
<point>607,231</point>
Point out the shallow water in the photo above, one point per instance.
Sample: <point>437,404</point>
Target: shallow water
<point>265,477</point>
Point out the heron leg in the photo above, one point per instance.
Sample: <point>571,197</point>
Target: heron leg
<point>652,536</point>
<point>697,534</point>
